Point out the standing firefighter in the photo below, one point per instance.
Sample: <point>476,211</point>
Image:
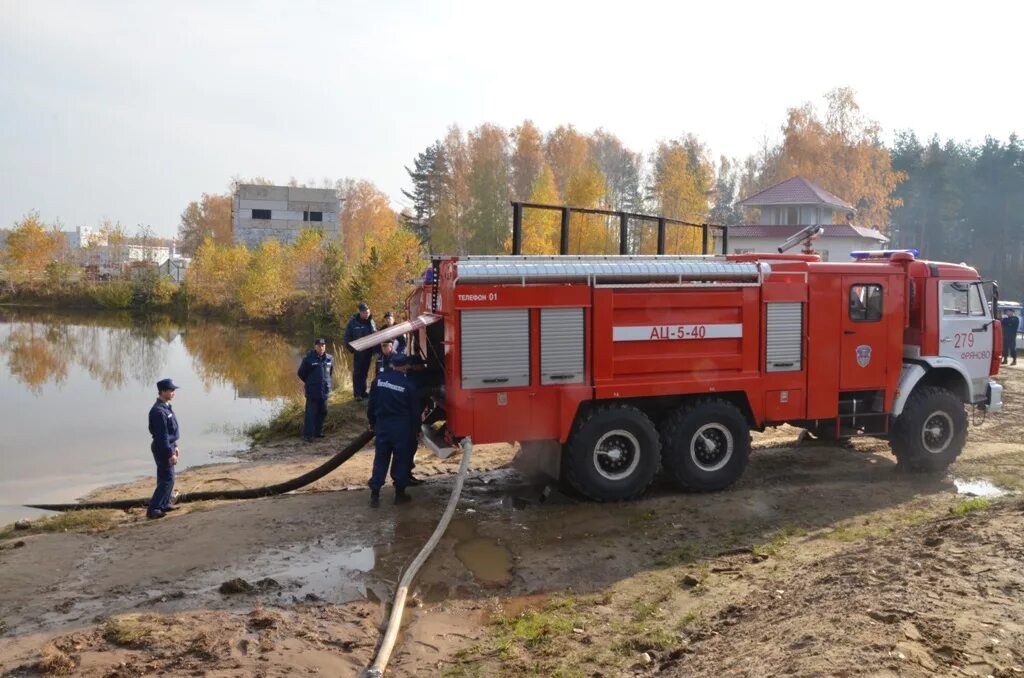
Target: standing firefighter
<point>1011,324</point>
<point>163,426</point>
<point>394,413</point>
<point>315,372</point>
<point>360,325</point>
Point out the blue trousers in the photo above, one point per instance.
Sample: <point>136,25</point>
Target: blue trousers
<point>1010,349</point>
<point>360,370</point>
<point>392,449</point>
<point>164,486</point>
<point>316,412</point>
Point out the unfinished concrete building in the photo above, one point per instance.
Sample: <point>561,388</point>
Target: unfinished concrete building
<point>281,212</point>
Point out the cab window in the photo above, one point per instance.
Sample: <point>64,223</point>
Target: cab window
<point>956,299</point>
<point>866,303</point>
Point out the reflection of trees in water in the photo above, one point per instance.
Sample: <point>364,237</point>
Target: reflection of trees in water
<point>41,351</point>
<point>116,350</point>
<point>259,363</point>
<point>32,357</point>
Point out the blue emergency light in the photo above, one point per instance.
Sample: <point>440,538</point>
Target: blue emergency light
<point>860,255</point>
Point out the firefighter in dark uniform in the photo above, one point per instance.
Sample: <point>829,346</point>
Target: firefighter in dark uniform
<point>315,371</point>
<point>163,426</point>
<point>1011,324</point>
<point>394,413</point>
<point>360,325</point>
<point>387,353</point>
<point>389,320</point>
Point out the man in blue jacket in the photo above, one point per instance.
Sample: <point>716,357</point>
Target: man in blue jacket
<point>315,372</point>
<point>163,426</point>
<point>394,415</point>
<point>360,325</point>
<point>1011,324</point>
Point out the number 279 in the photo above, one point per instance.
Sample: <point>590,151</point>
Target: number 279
<point>964,340</point>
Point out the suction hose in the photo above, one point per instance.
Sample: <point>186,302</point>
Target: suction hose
<point>380,662</point>
<point>251,493</point>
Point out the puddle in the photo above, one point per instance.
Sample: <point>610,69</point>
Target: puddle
<point>329,571</point>
<point>488,561</point>
<point>977,488</point>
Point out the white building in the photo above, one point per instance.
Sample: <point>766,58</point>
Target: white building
<point>280,212</point>
<point>797,203</point>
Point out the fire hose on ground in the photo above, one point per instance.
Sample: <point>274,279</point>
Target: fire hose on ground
<point>380,662</point>
<point>251,493</point>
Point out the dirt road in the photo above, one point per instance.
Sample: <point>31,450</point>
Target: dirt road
<point>821,560</point>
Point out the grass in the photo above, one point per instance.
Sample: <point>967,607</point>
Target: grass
<point>54,662</point>
<point>127,631</point>
<point>848,534</point>
<point>778,539</point>
<point>70,521</point>
<point>687,552</point>
<point>287,421</point>
<point>965,506</point>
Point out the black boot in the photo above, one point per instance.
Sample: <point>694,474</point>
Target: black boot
<point>400,496</point>
<point>413,482</point>
<point>374,498</point>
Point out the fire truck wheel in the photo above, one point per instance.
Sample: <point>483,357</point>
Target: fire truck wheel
<point>612,454</point>
<point>931,431</point>
<point>706,445</point>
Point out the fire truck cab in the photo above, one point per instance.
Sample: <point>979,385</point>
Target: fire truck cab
<point>615,367</point>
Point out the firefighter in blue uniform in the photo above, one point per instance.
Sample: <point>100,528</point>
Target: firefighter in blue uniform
<point>360,325</point>
<point>163,426</point>
<point>384,358</point>
<point>389,320</point>
<point>315,372</point>
<point>394,415</point>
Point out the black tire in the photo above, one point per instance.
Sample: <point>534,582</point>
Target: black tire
<point>930,432</point>
<point>706,445</point>
<point>612,453</point>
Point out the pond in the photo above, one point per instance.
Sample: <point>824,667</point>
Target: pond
<point>76,388</point>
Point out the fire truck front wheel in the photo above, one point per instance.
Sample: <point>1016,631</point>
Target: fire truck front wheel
<point>931,431</point>
<point>706,445</point>
<point>612,454</point>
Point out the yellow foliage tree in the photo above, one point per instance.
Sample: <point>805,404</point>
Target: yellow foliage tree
<point>841,152</point>
<point>31,245</point>
<point>589,233</point>
<point>541,228</point>
<point>390,260</point>
<point>365,210</point>
<point>682,182</point>
<point>268,282</point>
<point>217,273</point>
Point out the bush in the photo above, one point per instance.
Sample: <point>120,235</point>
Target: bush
<point>114,294</point>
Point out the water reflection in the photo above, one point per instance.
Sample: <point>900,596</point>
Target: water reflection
<point>117,350</point>
<point>74,408</point>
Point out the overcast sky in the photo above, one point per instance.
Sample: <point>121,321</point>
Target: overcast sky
<point>129,110</point>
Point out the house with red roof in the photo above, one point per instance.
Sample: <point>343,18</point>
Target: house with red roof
<point>784,209</point>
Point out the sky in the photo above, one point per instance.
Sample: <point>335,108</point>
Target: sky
<point>129,110</point>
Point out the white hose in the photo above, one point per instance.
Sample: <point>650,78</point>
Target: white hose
<point>380,662</point>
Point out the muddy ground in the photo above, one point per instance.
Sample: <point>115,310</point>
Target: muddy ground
<point>821,560</point>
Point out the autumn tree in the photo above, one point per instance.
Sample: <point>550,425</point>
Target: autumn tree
<point>527,160</point>
<point>364,210</point>
<point>208,217</point>
<point>681,183</point>
<point>268,281</point>
<point>841,151</point>
<point>381,276</point>
<point>31,245</point>
<point>541,228</point>
<point>428,185</point>
<point>725,196</point>
<point>487,216</point>
<point>567,153</point>
<point>217,273</point>
<point>621,168</point>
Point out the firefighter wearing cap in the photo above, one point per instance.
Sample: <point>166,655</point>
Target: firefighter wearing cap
<point>394,413</point>
<point>315,372</point>
<point>399,342</point>
<point>163,426</point>
<point>360,325</point>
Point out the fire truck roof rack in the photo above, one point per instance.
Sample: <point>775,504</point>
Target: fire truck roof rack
<point>608,270</point>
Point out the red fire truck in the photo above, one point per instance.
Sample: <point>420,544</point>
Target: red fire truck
<point>616,366</point>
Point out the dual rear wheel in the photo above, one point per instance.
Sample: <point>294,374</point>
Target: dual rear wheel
<point>615,450</point>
